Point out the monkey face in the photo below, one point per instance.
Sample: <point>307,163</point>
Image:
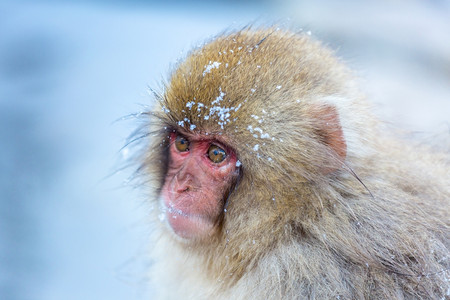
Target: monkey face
<point>200,173</point>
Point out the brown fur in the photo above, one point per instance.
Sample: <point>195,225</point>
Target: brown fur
<point>375,227</point>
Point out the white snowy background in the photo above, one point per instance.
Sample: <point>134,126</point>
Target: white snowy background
<point>70,69</point>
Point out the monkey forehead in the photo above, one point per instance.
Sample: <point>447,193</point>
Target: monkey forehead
<point>240,75</point>
<point>250,63</point>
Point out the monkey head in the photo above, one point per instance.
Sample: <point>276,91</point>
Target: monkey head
<point>238,113</point>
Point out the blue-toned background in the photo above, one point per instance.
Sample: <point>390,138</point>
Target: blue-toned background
<point>70,69</point>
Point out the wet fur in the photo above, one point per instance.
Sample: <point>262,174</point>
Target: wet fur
<point>375,228</point>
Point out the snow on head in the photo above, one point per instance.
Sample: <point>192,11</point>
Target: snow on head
<point>263,135</point>
<point>189,104</point>
<point>219,98</point>
<point>211,66</point>
<point>222,112</point>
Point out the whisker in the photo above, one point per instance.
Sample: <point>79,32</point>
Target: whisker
<point>359,180</point>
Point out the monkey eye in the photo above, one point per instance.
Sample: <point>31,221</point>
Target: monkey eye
<point>181,143</point>
<point>216,154</point>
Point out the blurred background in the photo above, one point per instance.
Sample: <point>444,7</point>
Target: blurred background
<point>70,225</point>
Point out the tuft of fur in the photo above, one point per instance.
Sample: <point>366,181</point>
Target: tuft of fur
<point>375,228</point>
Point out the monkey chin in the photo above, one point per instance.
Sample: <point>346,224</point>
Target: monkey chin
<point>185,227</point>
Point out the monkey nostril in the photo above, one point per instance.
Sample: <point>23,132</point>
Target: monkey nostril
<point>182,186</point>
<point>185,183</point>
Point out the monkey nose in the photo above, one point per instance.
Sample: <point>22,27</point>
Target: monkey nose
<point>184,183</point>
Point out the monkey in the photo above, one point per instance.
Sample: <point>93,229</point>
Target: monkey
<point>272,178</point>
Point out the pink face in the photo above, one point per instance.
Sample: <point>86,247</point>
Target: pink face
<point>200,173</point>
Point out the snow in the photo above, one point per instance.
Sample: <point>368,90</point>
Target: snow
<point>222,112</point>
<point>189,104</point>
<point>212,65</point>
<point>219,98</point>
<point>257,129</point>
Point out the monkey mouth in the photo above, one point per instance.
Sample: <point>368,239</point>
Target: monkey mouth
<point>183,224</point>
<point>176,211</point>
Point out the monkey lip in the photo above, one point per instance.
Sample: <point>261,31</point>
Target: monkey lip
<point>185,225</point>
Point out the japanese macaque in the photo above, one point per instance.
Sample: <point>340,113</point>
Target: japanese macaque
<point>273,180</point>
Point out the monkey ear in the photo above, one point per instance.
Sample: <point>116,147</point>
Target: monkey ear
<point>331,131</point>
